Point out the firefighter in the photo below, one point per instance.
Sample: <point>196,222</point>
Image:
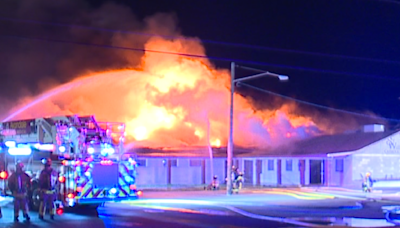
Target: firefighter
<point>215,183</point>
<point>19,183</point>
<point>239,181</point>
<point>47,188</point>
<point>235,176</point>
<point>367,183</point>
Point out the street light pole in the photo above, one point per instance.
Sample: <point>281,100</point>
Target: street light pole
<point>230,139</point>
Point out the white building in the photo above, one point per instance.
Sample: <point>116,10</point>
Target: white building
<point>332,160</point>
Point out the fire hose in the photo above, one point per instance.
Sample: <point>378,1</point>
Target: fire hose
<point>388,210</point>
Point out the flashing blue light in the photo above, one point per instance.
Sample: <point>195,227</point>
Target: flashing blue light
<point>10,144</point>
<point>107,151</point>
<point>113,191</point>
<point>19,151</point>
<point>62,149</point>
<point>43,147</point>
<point>90,150</point>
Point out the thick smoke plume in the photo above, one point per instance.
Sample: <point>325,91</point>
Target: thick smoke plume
<point>165,100</point>
<point>31,66</point>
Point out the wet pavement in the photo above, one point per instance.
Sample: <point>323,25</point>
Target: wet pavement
<point>66,220</point>
<point>255,207</point>
<point>267,207</point>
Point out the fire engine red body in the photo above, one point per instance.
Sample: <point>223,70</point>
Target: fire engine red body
<point>88,156</point>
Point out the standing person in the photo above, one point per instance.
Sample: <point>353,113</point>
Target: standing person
<point>47,189</point>
<point>234,176</point>
<point>368,182</point>
<point>19,183</point>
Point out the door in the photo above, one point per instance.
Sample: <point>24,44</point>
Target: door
<point>169,165</point>
<point>258,171</point>
<point>203,171</point>
<point>279,171</point>
<point>315,172</point>
<point>248,171</point>
<point>302,169</point>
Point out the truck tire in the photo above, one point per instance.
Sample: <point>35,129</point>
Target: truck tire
<point>35,200</point>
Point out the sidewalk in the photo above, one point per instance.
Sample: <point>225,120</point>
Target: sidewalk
<point>377,194</point>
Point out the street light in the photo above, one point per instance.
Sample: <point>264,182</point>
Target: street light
<point>230,139</point>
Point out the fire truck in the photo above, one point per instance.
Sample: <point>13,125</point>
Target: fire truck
<point>88,156</point>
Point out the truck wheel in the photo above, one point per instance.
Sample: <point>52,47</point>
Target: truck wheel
<point>35,200</point>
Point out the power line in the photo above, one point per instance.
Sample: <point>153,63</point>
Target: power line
<point>247,62</point>
<point>317,105</point>
<point>241,45</point>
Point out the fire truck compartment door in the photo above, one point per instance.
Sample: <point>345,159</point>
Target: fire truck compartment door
<point>105,176</point>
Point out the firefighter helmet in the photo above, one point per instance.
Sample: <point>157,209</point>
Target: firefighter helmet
<point>19,166</point>
<point>368,174</point>
<point>46,161</point>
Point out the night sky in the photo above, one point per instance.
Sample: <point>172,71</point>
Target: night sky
<point>342,54</point>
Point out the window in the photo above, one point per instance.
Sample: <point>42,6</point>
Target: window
<point>270,165</point>
<point>289,164</point>
<point>141,162</point>
<point>195,162</point>
<point>174,162</point>
<point>339,165</point>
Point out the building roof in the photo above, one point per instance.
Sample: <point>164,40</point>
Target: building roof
<point>199,152</point>
<point>326,144</point>
<point>318,146</point>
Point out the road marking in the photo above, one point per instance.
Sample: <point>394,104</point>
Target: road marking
<point>297,194</point>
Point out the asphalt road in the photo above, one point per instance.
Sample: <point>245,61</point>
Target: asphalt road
<point>251,208</point>
<point>67,220</point>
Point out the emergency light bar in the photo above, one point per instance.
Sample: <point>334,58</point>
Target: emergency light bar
<point>10,144</point>
<point>44,147</point>
<point>15,151</point>
<point>104,149</point>
<point>108,150</point>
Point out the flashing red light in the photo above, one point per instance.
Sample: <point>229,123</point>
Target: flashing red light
<point>59,211</point>
<point>78,163</point>
<point>79,189</point>
<point>3,175</point>
<point>61,179</point>
<point>64,162</point>
<point>70,196</point>
<point>106,162</point>
<point>139,193</point>
<point>132,187</point>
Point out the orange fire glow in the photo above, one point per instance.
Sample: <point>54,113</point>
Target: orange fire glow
<point>168,100</point>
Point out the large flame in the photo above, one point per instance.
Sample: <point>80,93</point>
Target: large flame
<point>170,101</point>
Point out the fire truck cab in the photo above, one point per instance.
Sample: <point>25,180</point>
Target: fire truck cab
<point>88,156</point>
